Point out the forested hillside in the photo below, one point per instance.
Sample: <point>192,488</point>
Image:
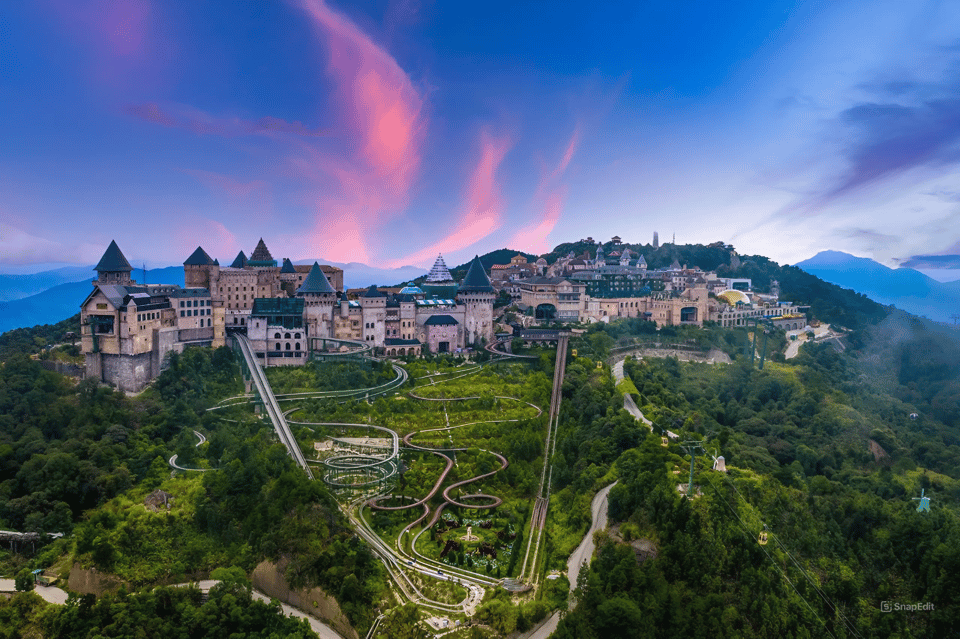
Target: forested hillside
<point>826,454</point>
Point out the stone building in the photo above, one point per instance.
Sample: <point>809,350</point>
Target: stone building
<point>286,311</point>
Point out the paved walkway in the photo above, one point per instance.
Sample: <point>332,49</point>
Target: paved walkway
<point>49,593</point>
<point>57,596</point>
<point>628,402</point>
<point>580,557</point>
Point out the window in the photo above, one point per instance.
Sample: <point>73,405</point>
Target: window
<point>286,336</point>
<point>288,347</point>
<point>276,336</point>
<point>182,313</point>
<point>181,303</point>
<point>278,347</point>
<point>296,346</point>
<point>296,336</point>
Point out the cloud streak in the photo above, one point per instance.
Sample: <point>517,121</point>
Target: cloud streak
<point>549,199</point>
<point>202,123</point>
<point>383,124</point>
<point>482,210</point>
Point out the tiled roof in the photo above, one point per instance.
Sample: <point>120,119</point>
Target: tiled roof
<point>316,282</point>
<point>198,258</point>
<point>373,292</point>
<point>440,320</point>
<point>261,253</point>
<point>240,261</point>
<point>476,280</point>
<point>396,341</point>
<point>113,260</point>
<point>439,272</point>
<point>266,306</point>
<point>287,266</point>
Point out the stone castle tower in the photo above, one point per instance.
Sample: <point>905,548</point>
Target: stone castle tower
<point>477,296</point>
<point>113,267</point>
<point>318,300</point>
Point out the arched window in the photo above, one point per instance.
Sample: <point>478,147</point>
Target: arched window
<point>286,336</point>
<point>276,336</point>
<point>288,347</point>
<point>278,347</point>
<point>296,346</point>
<point>296,336</point>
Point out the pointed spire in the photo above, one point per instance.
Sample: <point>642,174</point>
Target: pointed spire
<point>287,266</point>
<point>198,258</point>
<point>476,280</point>
<point>113,260</point>
<point>316,282</point>
<point>439,272</point>
<point>240,261</point>
<point>261,255</point>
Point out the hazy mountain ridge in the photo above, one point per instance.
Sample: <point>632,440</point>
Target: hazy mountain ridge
<point>904,288</point>
<point>63,300</point>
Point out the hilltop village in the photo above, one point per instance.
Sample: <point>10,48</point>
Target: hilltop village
<point>291,311</point>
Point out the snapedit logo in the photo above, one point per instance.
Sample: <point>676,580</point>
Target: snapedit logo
<point>896,606</point>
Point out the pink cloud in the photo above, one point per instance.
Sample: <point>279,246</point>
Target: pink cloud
<point>217,240</point>
<point>202,123</point>
<point>121,45</point>
<point>382,128</point>
<point>482,209</point>
<point>21,247</point>
<point>235,192</point>
<point>381,108</point>
<point>549,198</point>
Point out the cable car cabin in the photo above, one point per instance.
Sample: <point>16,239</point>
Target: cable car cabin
<point>599,364</point>
<point>664,441</point>
<point>763,539</point>
<point>574,352</point>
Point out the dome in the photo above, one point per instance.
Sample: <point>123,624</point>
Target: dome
<point>732,296</point>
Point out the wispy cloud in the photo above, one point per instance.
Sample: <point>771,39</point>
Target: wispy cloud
<point>383,124</point>
<point>19,247</point>
<point>482,211</point>
<point>549,199</point>
<point>202,123</point>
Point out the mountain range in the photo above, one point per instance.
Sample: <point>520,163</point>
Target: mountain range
<point>50,296</point>
<point>905,288</point>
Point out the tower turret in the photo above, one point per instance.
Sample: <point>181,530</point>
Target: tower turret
<point>113,267</point>
<point>318,299</point>
<point>477,295</point>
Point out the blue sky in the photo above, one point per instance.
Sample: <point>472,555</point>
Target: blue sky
<point>386,132</point>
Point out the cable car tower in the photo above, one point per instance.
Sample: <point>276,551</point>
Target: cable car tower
<point>924,506</point>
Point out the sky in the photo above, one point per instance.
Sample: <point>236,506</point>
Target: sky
<point>388,131</point>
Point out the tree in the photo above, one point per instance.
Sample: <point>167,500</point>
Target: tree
<point>24,581</point>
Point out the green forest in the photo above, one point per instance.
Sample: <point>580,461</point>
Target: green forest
<point>826,456</point>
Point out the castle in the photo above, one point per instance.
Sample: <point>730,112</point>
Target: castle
<point>288,312</point>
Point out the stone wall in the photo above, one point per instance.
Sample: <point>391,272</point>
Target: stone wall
<point>268,578</point>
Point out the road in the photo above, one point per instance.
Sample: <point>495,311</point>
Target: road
<point>51,594</point>
<point>630,405</point>
<point>580,557</point>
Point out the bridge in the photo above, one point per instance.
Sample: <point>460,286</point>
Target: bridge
<point>270,404</point>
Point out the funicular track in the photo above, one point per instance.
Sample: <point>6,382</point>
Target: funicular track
<point>270,404</point>
<point>538,517</point>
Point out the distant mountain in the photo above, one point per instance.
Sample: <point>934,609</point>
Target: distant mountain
<point>14,287</point>
<point>61,301</point>
<point>904,288</point>
<point>357,275</point>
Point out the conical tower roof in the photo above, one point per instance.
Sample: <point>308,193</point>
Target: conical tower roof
<point>240,261</point>
<point>198,258</point>
<point>439,273</point>
<point>476,280</point>
<point>288,266</point>
<point>316,282</point>
<point>113,260</point>
<point>261,253</point>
